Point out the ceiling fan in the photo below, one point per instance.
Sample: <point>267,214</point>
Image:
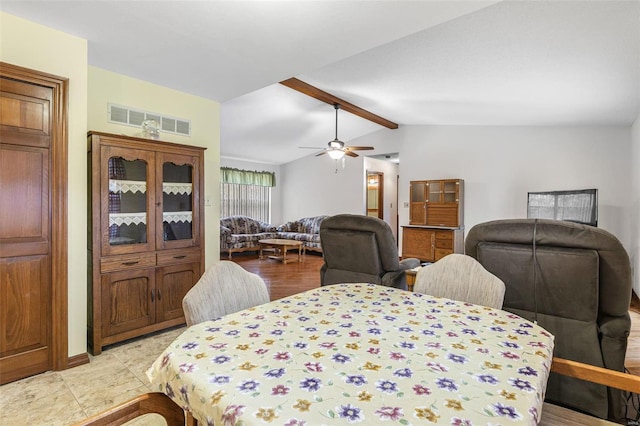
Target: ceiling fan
<point>336,148</point>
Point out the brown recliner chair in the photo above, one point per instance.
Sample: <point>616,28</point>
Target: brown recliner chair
<point>361,249</point>
<point>575,280</point>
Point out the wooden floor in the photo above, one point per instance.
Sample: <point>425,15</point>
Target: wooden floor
<point>285,280</point>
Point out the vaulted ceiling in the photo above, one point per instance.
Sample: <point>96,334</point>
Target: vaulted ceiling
<point>531,63</point>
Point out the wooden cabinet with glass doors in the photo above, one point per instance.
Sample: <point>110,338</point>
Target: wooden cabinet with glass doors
<point>436,219</point>
<point>436,202</point>
<point>146,232</point>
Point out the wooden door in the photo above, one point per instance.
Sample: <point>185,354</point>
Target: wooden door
<point>25,229</point>
<point>128,301</point>
<point>418,243</point>
<point>173,282</point>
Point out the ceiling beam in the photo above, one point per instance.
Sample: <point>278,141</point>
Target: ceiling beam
<point>321,95</point>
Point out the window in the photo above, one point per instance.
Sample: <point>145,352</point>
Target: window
<point>246,193</point>
<point>576,206</point>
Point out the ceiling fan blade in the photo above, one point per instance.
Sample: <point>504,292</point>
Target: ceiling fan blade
<point>321,153</point>
<point>359,148</point>
<point>310,147</point>
<point>350,154</point>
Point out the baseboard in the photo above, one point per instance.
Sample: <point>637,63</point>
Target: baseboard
<point>79,359</point>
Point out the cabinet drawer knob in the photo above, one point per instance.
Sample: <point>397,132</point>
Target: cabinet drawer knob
<point>179,257</point>
<point>135,262</point>
<point>153,296</point>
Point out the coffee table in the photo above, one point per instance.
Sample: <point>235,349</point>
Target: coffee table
<point>281,247</point>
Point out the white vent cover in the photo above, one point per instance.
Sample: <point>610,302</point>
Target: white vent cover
<point>134,117</point>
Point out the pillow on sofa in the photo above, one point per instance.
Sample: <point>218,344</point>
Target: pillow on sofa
<point>310,225</point>
<point>288,227</point>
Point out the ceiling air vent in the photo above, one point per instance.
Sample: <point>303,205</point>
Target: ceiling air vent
<point>134,117</point>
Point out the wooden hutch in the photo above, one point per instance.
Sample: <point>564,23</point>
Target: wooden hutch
<point>146,215</point>
<point>436,221</point>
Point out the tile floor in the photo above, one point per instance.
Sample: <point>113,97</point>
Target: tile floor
<point>65,397</point>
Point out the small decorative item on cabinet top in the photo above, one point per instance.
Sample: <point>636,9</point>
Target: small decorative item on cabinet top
<point>150,129</point>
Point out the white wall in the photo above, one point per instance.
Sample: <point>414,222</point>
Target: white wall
<point>634,200</point>
<point>311,187</point>
<point>499,166</point>
<point>276,191</point>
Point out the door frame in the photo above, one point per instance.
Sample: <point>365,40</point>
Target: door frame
<point>380,192</point>
<point>58,207</point>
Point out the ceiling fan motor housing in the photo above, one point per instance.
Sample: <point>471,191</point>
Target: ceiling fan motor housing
<point>336,144</point>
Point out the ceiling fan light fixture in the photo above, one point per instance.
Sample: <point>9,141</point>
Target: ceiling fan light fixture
<point>336,154</point>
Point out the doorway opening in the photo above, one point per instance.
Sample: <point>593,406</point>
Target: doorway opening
<point>375,194</point>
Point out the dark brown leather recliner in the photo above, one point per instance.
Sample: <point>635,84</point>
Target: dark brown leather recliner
<point>361,249</point>
<point>579,291</point>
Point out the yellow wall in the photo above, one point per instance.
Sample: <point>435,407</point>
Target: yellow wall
<point>40,48</point>
<point>106,86</point>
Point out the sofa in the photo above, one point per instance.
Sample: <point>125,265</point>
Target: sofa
<point>306,230</point>
<point>241,233</point>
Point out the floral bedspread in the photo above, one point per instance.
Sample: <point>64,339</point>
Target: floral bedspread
<point>359,353</point>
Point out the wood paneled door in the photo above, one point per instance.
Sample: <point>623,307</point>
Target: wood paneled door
<point>33,255</point>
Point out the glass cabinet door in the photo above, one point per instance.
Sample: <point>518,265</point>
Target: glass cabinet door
<point>418,197</point>
<point>128,198</point>
<point>417,191</point>
<point>179,190</point>
<point>450,192</point>
<point>434,188</point>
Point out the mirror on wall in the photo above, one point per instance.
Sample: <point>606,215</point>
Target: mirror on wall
<point>375,194</point>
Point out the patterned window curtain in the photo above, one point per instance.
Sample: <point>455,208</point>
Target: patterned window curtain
<point>246,193</point>
<point>116,171</point>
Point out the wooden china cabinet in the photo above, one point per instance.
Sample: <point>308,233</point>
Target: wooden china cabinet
<point>435,219</point>
<point>146,237</point>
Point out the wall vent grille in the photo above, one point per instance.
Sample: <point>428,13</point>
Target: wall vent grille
<point>134,117</point>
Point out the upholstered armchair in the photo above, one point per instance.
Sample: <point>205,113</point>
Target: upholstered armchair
<point>575,280</point>
<point>361,249</point>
